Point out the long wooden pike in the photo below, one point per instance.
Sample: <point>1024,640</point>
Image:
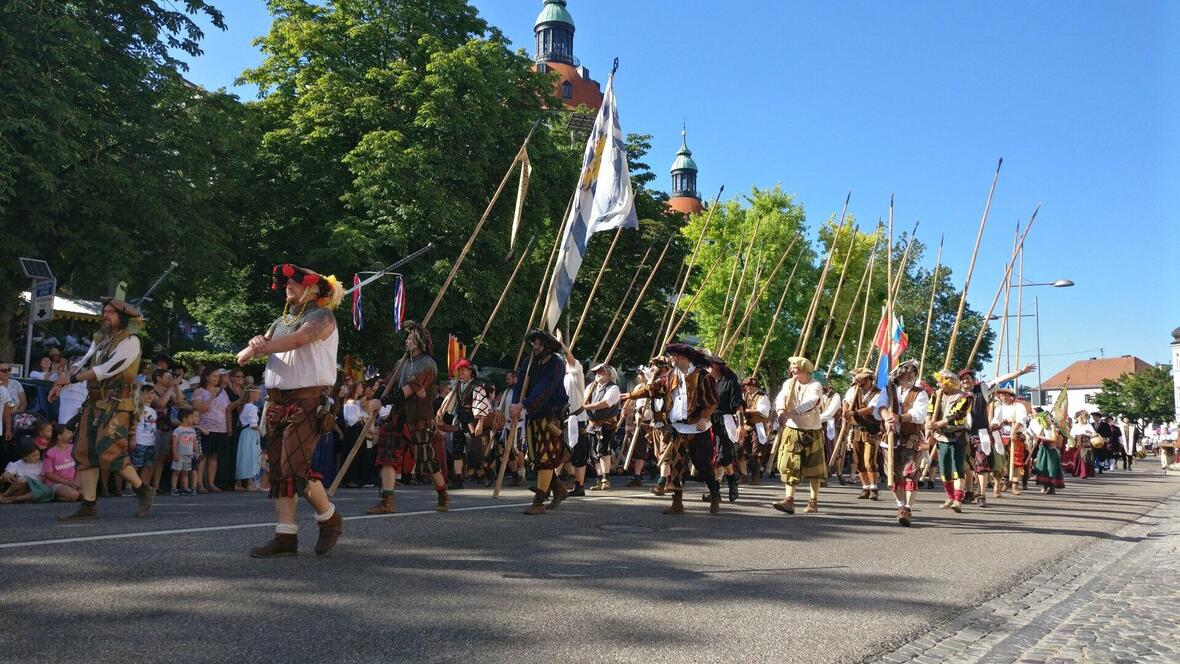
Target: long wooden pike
<point>479,226</point>
<point>738,336</point>
<point>741,282</point>
<point>594,289</point>
<point>626,295</point>
<point>1004,341</point>
<point>727,303</point>
<point>950,348</point>
<point>638,301</point>
<point>896,287</point>
<point>774,319</point>
<point>692,258</point>
<point>1007,276</point>
<point>864,314</point>
<point>761,293</point>
<point>437,299</point>
<point>503,294</point>
<point>669,313</point>
<point>855,298</point>
<point>930,310</point>
<point>805,333</point>
<point>692,302</point>
<point>889,437</point>
<point>823,340</point>
<point>1016,387</point>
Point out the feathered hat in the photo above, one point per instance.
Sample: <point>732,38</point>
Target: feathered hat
<point>329,291</point>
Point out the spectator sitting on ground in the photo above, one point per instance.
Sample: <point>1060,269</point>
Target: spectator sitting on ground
<point>43,433</point>
<point>22,478</point>
<point>59,469</point>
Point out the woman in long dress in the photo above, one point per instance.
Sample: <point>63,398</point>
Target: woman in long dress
<point>249,444</point>
<point>1047,465</point>
<point>1083,433</point>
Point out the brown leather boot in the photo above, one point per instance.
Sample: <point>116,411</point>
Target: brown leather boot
<point>903,516</point>
<point>85,511</point>
<point>559,492</point>
<point>147,496</point>
<point>444,502</point>
<point>385,505</point>
<point>863,495</point>
<point>786,505</point>
<point>329,532</point>
<point>715,503</point>
<point>677,503</point>
<point>281,545</point>
<point>659,489</point>
<point>812,507</point>
<point>874,494</point>
<point>538,506</point>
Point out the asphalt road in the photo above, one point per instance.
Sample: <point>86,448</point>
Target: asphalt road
<point>600,579</point>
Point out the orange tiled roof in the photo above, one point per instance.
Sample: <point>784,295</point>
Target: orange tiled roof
<point>1091,373</point>
<point>585,90</point>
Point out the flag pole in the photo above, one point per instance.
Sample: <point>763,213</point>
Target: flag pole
<point>638,301</point>
<point>887,351</point>
<point>626,295</point>
<point>503,294</point>
<point>594,289</point>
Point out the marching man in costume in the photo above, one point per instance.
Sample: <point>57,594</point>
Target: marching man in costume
<point>947,422</point>
<point>860,405</point>
<point>602,406</point>
<point>980,437</point>
<point>469,405</point>
<point>725,422</point>
<point>905,413</point>
<point>755,433</point>
<point>692,395</point>
<point>411,421</point>
<point>300,348</point>
<point>800,440</point>
<point>111,409</point>
<point>1009,418</point>
<point>660,432</point>
<point>544,404</point>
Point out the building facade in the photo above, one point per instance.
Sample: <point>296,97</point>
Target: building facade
<point>554,33</point>
<point>1176,370</point>
<point>1084,380</point>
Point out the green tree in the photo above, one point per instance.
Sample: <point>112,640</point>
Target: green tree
<point>111,164</point>
<point>1145,395</point>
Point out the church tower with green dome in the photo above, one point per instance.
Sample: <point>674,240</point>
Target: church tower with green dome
<point>554,32</point>
<point>685,197</point>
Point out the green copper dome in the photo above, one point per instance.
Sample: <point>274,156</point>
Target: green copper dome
<point>684,161</point>
<point>554,11</point>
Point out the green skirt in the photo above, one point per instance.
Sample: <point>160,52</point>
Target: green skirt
<point>801,455</point>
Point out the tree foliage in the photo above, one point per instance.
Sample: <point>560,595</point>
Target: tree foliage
<point>1146,395</point>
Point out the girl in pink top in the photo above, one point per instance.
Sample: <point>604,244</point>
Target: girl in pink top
<point>57,470</point>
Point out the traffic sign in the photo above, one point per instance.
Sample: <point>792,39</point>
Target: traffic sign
<point>43,293</point>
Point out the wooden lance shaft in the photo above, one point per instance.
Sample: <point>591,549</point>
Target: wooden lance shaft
<point>733,271</point>
<point>503,294</point>
<point>543,287</point>
<point>996,298</point>
<point>626,295</point>
<point>805,333</point>
<point>762,292</point>
<point>823,340</point>
<point>889,439</point>
<point>691,303</point>
<point>513,431</point>
<point>669,314</point>
<point>638,301</point>
<point>930,310</point>
<point>740,284</point>
<point>774,319</point>
<point>1004,341</point>
<point>855,298</point>
<point>691,262</point>
<point>594,288</point>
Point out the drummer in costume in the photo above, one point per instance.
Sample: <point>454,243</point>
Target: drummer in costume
<point>300,348</point>
<point>604,409</point>
<point>692,393</point>
<point>905,412</point>
<point>544,404</point>
<point>800,453</point>
<point>755,430</point>
<point>411,421</point>
<point>946,421</point>
<point>109,415</point>
<point>1009,418</point>
<point>860,405</point>
<point>725,423</point>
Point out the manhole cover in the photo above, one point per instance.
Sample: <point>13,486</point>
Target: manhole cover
<point>624,528</point>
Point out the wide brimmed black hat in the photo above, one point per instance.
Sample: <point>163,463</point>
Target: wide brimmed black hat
<point>551,343</point>
<point>694,354</point>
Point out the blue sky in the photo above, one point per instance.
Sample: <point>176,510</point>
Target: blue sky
<point>919,99</point>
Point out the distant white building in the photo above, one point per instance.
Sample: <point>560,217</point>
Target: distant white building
<point>1084,379</point>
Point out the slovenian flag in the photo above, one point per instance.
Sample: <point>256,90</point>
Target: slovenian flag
<point>399,304</point>
<point>358,316</point>
<point>891,340</point>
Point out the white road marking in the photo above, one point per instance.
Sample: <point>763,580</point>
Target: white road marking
<point>270,524</point>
